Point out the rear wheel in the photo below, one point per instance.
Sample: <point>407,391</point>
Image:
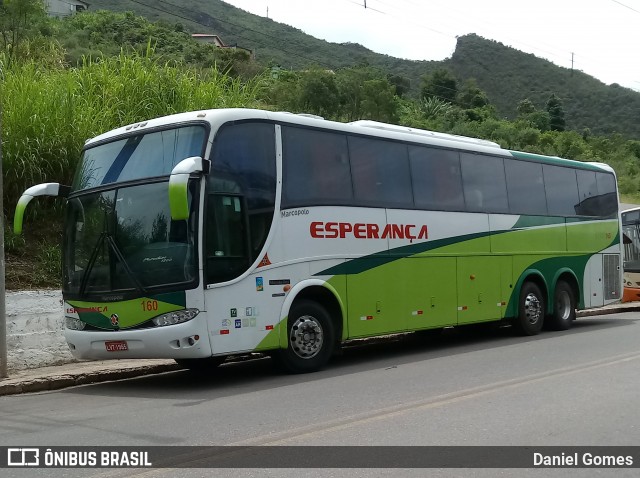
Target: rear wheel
<point>530,310</point>
<point>564,307</point>
<point>202,365</point>
<point>311,337</point>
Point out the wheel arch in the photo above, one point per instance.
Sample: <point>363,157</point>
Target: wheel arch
<point>566,275</point>
<point>318,291</point>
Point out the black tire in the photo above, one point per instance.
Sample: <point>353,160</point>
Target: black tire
<point>202,365</point>
<point>564,307</point>
<point>531,309</point>
<point>311,337</point>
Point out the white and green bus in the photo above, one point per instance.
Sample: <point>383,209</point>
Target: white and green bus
<point>207,234</point>
<point>631,254</point>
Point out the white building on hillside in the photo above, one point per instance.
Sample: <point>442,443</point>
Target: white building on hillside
<point>64,8</point>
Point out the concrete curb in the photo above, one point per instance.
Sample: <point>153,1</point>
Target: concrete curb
<point>616,309</point>
<point>56,381</point>
<point>83,373</point>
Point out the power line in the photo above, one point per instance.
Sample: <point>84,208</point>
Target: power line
<point>360,4</point>
<point>226,22</point>
<point>237,26</point>
<point>625,6</point>
<point>289,52</point>
<point>545,51</point>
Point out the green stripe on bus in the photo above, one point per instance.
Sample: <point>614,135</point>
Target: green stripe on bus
<point>540,158</point>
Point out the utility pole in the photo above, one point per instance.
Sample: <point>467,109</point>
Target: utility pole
<point>3,317</point>
<point>571,63</point>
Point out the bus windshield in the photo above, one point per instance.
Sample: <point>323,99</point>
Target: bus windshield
<point>631,230</point>
<point>141,156</point>
<point>124,240</point>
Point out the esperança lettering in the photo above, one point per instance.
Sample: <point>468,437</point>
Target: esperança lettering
<point>80,310</point>
<point>361,230</point>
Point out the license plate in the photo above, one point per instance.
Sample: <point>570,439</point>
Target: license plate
<point>116,346</point>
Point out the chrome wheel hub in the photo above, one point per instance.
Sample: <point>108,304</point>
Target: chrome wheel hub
<point>532,308</point>
<point>306,337</point>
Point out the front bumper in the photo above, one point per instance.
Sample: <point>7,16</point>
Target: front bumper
<point>180,341</point>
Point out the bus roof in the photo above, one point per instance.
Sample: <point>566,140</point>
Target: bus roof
<point>217,117</point>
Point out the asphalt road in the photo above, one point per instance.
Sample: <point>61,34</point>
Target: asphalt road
<point>473,386</point>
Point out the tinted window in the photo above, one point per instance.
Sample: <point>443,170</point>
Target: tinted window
<point>436,178</point>
<point>631,217</point>
<point>561,189</point>
<point>125,239</point>
<point>241,196</point>
<point>588,192</point>
<point>484,184</point>
<point>316,168</point>
<point>608,203</point>
<point>525,186</point>
<point>593,200</point>
<point>380,172</point>
<point>142,156</point>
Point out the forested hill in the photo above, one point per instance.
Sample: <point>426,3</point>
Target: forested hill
<point>507,75</point>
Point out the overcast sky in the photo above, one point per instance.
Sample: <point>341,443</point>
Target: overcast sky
<point>603,35</point>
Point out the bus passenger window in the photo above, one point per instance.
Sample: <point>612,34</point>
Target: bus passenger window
<point>561,189</point>
<point>436,178</point>
<point>525,185</point>
<point>588,191</point>
<point>316,168</point>
<point>483,179</point>
<point>380,172</point>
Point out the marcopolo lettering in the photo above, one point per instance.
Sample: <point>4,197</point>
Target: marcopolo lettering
<point>295,212</point>
<point>342,230</point>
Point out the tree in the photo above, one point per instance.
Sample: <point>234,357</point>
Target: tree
<point>284,89</point>
<point>379,101</point>
<point>525,107</point>
<point>471,96</point>
<point>16,19</point>
<point>556,113</point>
<point>440,84</point>
<point>401,82</point>
<point>350,83</point>
<point>528,113</point>
<point>319,94</point>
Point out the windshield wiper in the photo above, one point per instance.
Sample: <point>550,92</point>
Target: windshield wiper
<point>105,236</point>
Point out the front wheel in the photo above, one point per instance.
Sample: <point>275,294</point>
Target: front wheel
<point>311,337</point>
<point>564,307</point>
<point>530,310</point>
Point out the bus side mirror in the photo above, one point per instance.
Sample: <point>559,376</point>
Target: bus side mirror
<point>178,182</point>
<point>45,189</point>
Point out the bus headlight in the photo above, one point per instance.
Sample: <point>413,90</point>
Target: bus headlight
<point>73,323</point>
<point>177,317</point>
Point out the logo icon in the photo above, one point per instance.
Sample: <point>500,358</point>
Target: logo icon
<point>23,456</point>
<point>115,320</point>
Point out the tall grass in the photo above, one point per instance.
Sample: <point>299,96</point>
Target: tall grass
<point>49,113</point>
